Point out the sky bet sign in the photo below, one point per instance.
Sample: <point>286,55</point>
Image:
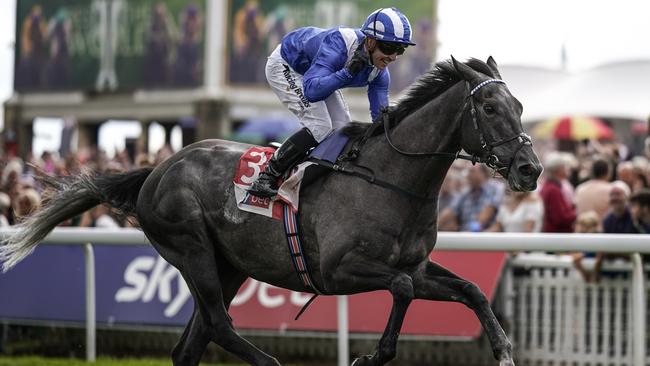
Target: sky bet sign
<point>136,286</point>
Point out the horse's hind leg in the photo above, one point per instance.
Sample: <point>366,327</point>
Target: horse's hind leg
<point>433,282</point>
<point>191,346</point>
<point>196,261</point>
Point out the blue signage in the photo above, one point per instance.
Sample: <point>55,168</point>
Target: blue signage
<point>134,285</point>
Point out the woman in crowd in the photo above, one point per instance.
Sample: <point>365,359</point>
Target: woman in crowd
<point>588,223</point>
<point>520,212</point>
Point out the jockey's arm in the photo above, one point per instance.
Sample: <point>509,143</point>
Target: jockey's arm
<point>378,93</point>
<point>327,73</point>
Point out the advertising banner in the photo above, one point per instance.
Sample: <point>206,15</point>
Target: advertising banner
<point>257,27</point>
<point>108,45</point>
<point>136,286</point>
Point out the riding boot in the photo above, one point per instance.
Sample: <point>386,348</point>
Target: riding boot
<point>292,151</point>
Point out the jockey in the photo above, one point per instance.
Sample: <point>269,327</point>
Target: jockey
<point>309,67</point>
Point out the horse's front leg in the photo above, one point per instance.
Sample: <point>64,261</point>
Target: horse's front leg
<point>360,272</point>
<point>433,282</point>
<point>402,290</point>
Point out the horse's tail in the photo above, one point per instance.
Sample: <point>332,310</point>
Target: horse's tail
<point>67,198</point>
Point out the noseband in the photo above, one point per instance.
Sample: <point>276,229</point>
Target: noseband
<point>491,159</point>
<point>488,157</point>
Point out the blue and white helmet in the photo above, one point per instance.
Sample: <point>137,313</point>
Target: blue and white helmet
<point>388,24</point>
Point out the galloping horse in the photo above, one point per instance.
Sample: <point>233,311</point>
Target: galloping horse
<point>358,236</point>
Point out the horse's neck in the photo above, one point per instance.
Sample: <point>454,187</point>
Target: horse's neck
<point>433,127</point>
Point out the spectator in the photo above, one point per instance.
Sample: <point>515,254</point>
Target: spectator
<point>142,160</point>
<point>48,164</point>
<point>625,172</point>
<point>619,219</point>
<point>559,214</point>
<point>592,195</point>
<point>98,216</point>
<point>448,194</point>
<point>640,178</point>
<point>640,211</point>
<point>622,220</point>
<point>163,154</point>
<point>28,202</point>
<point>588,223</point>
<point>102,219</point>
<point>11,174</point>
<point>477,206</point>
<point>71,165</point>
<point>520,212</point>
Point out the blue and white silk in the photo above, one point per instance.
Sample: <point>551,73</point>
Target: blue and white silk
<point>390,25</point>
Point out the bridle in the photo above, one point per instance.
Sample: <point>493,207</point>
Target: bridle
<point>488,158</point>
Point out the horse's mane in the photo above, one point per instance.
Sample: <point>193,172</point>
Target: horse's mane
<point>430,85</point>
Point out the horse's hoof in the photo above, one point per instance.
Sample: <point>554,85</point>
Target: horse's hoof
<point>506,363</point>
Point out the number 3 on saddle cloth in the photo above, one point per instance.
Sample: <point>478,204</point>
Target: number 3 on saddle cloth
<point>285,204</point>
<point>253,162</point>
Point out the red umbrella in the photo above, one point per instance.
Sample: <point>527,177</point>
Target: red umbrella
<point>639,128</point>
<point>574,128</point>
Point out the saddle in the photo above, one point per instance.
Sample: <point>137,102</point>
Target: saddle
<point>254,160</point>
<point>336,152</point>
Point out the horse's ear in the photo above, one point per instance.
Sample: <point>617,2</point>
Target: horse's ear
<point>467,72</point>
<point>493,66</point>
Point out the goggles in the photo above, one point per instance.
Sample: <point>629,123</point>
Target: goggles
<point>391,48</point>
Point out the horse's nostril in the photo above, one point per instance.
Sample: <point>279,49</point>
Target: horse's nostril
<point>526,170</point>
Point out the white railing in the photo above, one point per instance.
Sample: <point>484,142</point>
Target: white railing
<point>446,241</point>
<point>559,318</point>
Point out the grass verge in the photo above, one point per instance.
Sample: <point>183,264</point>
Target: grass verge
<point>102,361</point>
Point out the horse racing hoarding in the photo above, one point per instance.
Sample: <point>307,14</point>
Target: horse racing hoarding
<point>257,27</point>
<point>108,45</point>
<point>135,286</point>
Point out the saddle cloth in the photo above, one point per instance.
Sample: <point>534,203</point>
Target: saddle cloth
<point>253,162</point>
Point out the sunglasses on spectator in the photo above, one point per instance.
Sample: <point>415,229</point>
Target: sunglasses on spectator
<point>391,48</point>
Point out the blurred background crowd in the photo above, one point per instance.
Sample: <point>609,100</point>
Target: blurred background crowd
<point>591,182</point>
<point>21,192</point>
<point>590,189</point>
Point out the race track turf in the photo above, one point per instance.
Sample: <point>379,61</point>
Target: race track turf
<point>41,361</point>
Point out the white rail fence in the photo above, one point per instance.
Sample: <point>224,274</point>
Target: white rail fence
<point>557,319</point>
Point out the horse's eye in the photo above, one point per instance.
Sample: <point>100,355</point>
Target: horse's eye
<point>488,109</point>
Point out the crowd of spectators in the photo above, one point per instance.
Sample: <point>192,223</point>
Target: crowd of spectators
<point>21,192</point>
<point>594,181</point>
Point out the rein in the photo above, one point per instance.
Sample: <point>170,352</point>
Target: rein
<point>370,178</point>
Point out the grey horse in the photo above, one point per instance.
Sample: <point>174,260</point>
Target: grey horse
<point>358,236</point>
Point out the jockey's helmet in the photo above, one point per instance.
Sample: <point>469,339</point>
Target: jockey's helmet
<point>388,25</point>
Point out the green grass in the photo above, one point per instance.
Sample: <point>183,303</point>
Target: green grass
<point>42,361</point>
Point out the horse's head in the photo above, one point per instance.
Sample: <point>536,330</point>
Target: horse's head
<point>491,128</point>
